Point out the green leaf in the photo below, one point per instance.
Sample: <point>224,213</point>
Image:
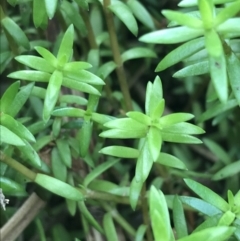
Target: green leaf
<point>15,32</point>
<point>125,124</point>
<point>122,11</point>
<point>123,134</point>
<point>59,169</point>
<point>135,190</point>
<point>191,3</point>
<point>154,140</point>
<point>64,152</point>
<point>144,163</point>
<point>219,76</point>
<point>51,7</point>
<point>200,205</point>
<point>183,51</point>
<point>183,19</point>
<point>140,12</point>
<point>109,228</point>
<point>11,187</point>
<point>84,138</point>
<point>171,119</point>
<point>230,28</point>
<point>30,75</point>
<point>179,218</point>
<point>69,111</point>
<point>184,128</point>
<point>16,127</point>
<point>19,100</point>
<point>66,45</point>
<point>179,138</point>
<point>82,4</point>
<point>52,94</point>
<point>218,151</point>
<point>213,43</point>
<point>209,234</point>
<point>138,52</point>
<point>106,69</point>
<point>156,113</point>
<point>233,70</point>
<point>140,232</point>
<point>9,137</point>
<point>228,171</point>
<point>35,63</point>
<point>193,70</point>
<point>217,109</point>
<point>84,211</point>
<point>206,10</point>
<point>73,99</point>
<point>168,36</point>
<point>48,56</point>
<point>227,12</point>
<point>101,119</point>
<point>139,117</point>
<point>76,66</point>
<point>207,194</point>
<point>9,95</point>
<point>227,218</point>
<point>74,16</point>
<point>153,96</point>
<point>120,151</point>
<point>60,233</point>
<point>39,14</point>
<point>171,161</point>
<point>77,85</point>
<point>83,76</point>
<point>98,171</point>
<point>159,216</point>
<point>58,187</point>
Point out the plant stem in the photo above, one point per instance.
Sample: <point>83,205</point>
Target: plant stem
<point>18,166</point>
<point>117,56</point>
<point>145,213</point>
<point>119,219</point>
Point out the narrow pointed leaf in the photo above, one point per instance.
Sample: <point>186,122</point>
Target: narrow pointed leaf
<point>228,171</point>
<point>135,190</point>
<point>40,17</point>
<point>77,85</point>
<point>171,161</point>
<point>193,70</point>
<point>180,138</point>
<point>76,66</point>
<point>106,69</point>
<point>51,7</point>
<point>139,117</point>
<point>98,171</point>
<point>122,11</point>
<point>8,137</point>
<point>73,99</point>
<point>69,111</point>
<point>125,124</point>
<point>52,94</point>
<point>184,128</point>
<point>109,228</point>
<point>35,63</point>
<point>179,218</point>
<point>66,44</point>
<point>154,140</point>
<point>183,51</point>
<point>64,152</point>
<point>16,127</point>
<point>168,36</point>
<point>47,55</point>
<point>175,118</point>
<point>138,52</point>
<point>233,70</point>
<point>140,12</point>
<point>9,95</point>
<point>30,75</point>
<point>84,137</point>
<point>123,134</point>
<point>16,32</point>
<point>58,187</point>
<point>120,151</point>
<point>207,194</point>
<point>59,169</point>
<point>183,19</point>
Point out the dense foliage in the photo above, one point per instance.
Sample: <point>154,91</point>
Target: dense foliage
<point>98,140</point>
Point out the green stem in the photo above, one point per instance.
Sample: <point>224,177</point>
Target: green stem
<point>119,219</point>
<point>18,166</point>
<point>117,56</point>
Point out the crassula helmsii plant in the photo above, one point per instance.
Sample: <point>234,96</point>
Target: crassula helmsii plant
<point>67,131</point>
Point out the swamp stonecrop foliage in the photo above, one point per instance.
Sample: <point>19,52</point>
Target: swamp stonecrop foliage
<point>74,146</point>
